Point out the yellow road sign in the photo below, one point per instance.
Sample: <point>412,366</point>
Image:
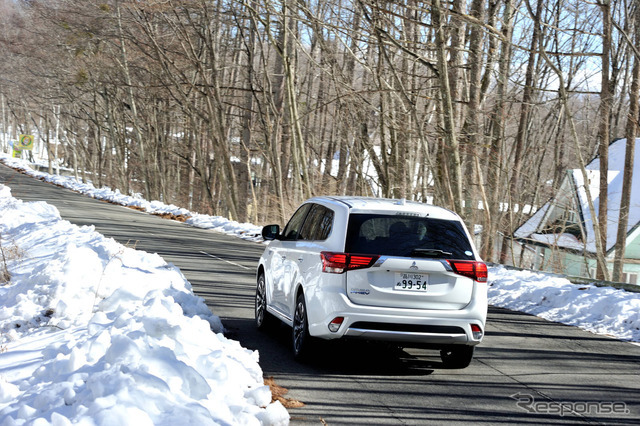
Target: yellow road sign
<point>25,143</point>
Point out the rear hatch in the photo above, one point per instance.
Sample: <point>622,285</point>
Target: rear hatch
<point>416,262</point>
<point>409,283</point>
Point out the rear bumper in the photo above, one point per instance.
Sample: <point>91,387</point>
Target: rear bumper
<point>402,326</point>
<point>407,336</point>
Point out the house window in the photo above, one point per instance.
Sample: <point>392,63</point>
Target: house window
<point>629,278</point>
<point>565,223</point>
<point>569,216</point>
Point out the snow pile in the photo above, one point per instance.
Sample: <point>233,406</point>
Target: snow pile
<point>601,310</point>
<point>245,231</point>
<point>94,332</point>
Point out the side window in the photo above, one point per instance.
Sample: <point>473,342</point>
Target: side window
<point>325,225</point>
<point>318,224</point>
<point>292,230</point>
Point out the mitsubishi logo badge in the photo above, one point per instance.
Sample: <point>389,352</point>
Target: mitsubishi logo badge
<point>414,266</point>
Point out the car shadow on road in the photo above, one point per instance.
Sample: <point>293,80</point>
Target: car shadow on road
<point>355,357</point>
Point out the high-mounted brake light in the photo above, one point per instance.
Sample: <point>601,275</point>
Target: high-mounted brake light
<point>338,263</point>
<point>477,271</point>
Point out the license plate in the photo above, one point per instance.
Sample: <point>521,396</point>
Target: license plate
<point>411,282</point>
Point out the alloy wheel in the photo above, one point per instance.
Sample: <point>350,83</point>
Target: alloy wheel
<point>261,303</point>
<point>300,328</point>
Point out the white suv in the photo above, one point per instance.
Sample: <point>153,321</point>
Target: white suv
<point>376,269</point>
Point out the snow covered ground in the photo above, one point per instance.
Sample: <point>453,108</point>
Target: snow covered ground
<point>243,230</point>
<point>95,332</point>
<point>600,310</point>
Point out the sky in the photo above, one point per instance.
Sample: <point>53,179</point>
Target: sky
<point>93,332</point>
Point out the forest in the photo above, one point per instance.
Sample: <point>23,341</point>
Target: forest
<point>244,108</point>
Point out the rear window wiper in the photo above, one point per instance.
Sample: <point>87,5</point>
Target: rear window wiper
<point>430,253</point>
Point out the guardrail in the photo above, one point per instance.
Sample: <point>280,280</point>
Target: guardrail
<point>63,171</point>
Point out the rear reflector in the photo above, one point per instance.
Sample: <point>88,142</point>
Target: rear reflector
<point>476,331</point>
<point>335,324</point>
<point>469,268</point>
<point>337,263</point>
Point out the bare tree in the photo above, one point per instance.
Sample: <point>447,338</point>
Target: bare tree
<point>603,130</point>
<point>633,119</point>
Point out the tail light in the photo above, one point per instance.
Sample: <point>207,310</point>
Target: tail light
<point>477,271</point>
<point>338,263</point>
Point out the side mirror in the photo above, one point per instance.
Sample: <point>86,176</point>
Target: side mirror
<point>271,232</point>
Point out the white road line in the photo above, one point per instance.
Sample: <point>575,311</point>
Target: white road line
<point>227,261</point>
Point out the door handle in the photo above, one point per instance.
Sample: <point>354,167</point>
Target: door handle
<point>300,259</point>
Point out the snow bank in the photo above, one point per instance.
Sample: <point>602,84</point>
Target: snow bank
<point>245,231</point>
<point>93,332</point>
<point>601,310</point>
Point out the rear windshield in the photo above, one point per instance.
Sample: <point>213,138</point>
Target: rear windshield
<point>407,236</point>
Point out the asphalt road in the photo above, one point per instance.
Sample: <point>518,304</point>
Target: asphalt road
<point>527,370</point>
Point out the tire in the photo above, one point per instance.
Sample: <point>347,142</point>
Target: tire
<point>459,356</point>
<point>264,320</point>
<point>300,338</point>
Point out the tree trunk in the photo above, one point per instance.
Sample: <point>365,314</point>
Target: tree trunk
<point>244,173</point>
<point>472,127</point>
<point>631,134</point>
<point>451,149</point>
<point>603,130</point>
<point>133,105</point>
<point>498,119</point>
<point>525,107</point>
